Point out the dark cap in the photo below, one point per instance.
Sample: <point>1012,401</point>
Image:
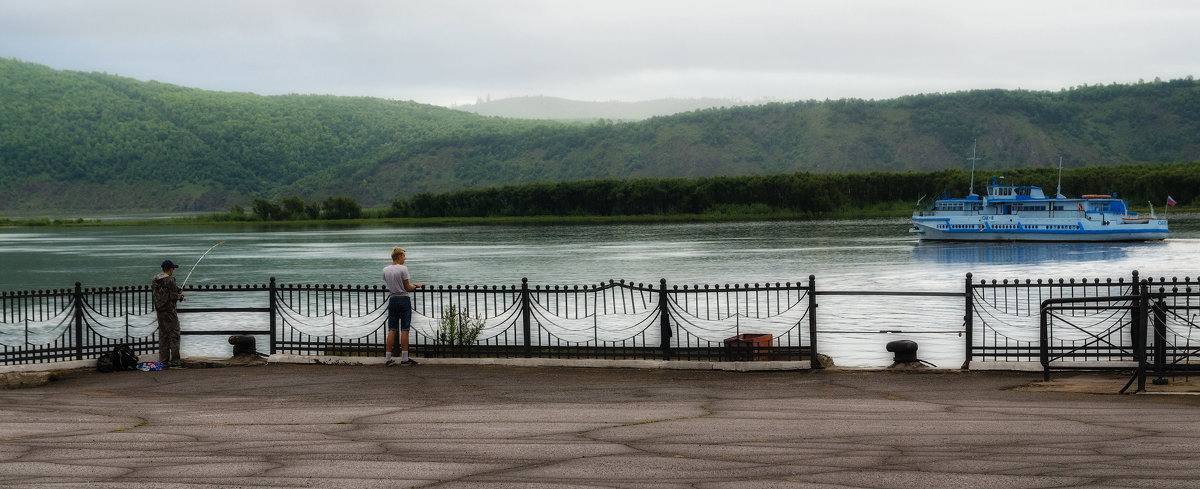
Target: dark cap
<point>167,265</point>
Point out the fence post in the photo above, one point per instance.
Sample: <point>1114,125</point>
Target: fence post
<point>969,321</point>
<point>78,321</point>
<point>1139,330</point>
<point>814,360</point>
<point>274,306</point>
<point>1160,339</point>
<point>664,320</point>
<point>1043,342</point>
<point>525,316</point>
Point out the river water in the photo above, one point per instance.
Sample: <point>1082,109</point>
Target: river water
<point>863,254</point>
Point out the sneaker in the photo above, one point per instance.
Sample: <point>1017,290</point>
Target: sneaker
<point>389,363</point>
<point>409,363</point>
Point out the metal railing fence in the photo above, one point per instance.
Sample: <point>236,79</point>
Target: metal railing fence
<point>614,320</point>
<point>1062,323</point>
<point>1002,316</point>
<point>1150,328</point>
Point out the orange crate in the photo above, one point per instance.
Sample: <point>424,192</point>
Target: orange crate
<point>748,347</point>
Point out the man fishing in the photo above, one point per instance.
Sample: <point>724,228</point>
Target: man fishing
<point>166,292</point>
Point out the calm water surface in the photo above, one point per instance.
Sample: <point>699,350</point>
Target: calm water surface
<point>868,254</point>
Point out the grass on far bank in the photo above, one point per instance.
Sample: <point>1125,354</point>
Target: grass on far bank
<point>755,212</point>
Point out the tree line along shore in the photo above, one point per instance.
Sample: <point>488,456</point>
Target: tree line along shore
<point>785,196</point>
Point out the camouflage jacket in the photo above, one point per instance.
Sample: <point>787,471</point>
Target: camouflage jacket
<point>166,292</point>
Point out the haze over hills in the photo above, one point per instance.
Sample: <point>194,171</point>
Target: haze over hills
<point>553,108</point>
<point>74,141</point>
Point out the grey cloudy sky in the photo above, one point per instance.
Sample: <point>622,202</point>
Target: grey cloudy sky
<point>454,51</point>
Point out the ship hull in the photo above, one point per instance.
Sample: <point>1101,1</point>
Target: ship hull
<point>1073,231</point>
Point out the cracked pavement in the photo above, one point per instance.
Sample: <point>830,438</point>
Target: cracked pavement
<point>464,426</point>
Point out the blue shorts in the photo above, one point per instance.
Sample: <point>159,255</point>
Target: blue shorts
<point>399,314</point>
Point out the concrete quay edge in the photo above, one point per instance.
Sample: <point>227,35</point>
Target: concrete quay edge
<point>555,362</point>
<point>37,374</point>
<point>30,368</point>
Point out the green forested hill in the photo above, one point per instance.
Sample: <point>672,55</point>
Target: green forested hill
<point>72,140</point>
<point>88,141</point>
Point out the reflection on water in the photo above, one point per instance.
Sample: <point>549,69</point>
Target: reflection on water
<point>852,254</point>
<point>1012,253</point>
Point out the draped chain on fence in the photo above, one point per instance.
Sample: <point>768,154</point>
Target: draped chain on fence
<point>1005,318</point>
<point>614,320</point>
<point>36,326</point>
<point>117,315</point>
<point>1172,333</point>
<point>707,316</point>
<point>328,319</point>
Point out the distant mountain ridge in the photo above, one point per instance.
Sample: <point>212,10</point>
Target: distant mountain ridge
<point>90,141</point>
<point>560,109</point>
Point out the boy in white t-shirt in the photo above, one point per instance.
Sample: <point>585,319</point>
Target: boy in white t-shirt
<point>399,307</point>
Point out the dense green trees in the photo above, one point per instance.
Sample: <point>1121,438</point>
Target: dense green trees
<point>340,208</point>
<point>783,195</point>
<point>90,141</point>
<point>294,209</point>
<point>793,194</point>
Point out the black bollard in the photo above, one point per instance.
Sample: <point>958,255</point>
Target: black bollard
<point>905,352</point>
<point>243,346</point>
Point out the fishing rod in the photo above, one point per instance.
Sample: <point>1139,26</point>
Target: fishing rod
<point>189,275</point>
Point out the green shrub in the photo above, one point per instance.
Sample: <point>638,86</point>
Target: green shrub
<point>457,327</point>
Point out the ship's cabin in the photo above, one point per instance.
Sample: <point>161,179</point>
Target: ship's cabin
<point>998,191</point>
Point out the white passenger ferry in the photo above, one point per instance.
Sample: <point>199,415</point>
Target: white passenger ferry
<point>1025,213</point>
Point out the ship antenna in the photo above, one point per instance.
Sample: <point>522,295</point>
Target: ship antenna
<point>973,158</point>
<point>1058,193</point>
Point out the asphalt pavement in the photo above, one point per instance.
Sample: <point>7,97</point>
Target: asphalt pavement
<point>467,426</point>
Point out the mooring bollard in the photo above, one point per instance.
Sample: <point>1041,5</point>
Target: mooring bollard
<point>243,346</point>
<point>905,352</point>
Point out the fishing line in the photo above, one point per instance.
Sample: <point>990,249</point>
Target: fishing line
<point>189,275</point>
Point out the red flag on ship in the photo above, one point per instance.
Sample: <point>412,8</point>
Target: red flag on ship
<point>1170,201</point>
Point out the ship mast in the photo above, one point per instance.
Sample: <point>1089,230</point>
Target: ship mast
<point>1058,193</point>
<point>973,158</point>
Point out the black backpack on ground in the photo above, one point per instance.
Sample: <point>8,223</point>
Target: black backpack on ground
<point>105,363</point>
<point>120,358</point>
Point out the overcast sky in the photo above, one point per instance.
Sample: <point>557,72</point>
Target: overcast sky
<point>450,51</point>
